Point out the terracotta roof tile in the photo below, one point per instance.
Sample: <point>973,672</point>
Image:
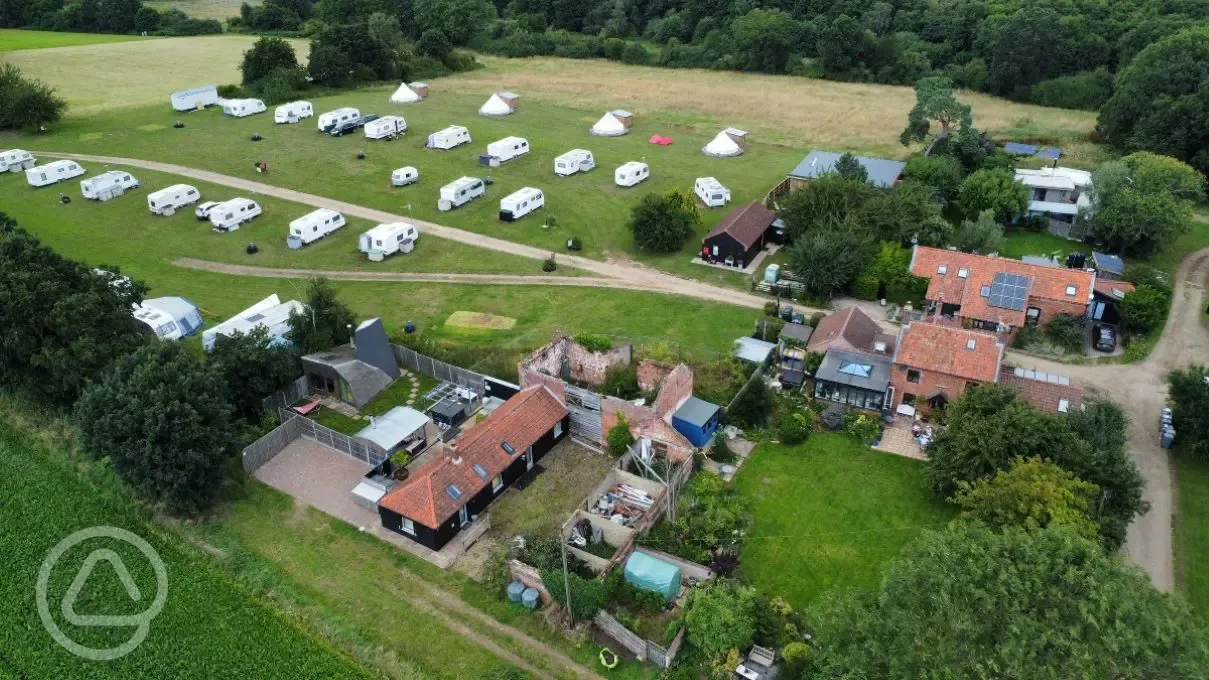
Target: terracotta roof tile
<point>520,421</point>
<point>848,329</point>
<point>1109,288</point>
<point>1043,394</point>
<point>746,224</point>
<point>942,349</point>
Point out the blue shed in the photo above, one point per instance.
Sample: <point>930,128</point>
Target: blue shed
<point>697,420</point>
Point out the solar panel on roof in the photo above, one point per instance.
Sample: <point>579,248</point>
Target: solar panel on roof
<point>1008,291</point>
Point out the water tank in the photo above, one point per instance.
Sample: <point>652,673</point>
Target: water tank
<point>771,273</point>
<point>529,598</point>
<point>515,589</point>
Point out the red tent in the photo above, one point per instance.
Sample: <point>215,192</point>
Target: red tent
<point>660,140</point>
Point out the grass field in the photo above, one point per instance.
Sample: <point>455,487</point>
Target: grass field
<point>1192,531</point>
<point>12,39</point>
<point>139,73</point>
<point>210,626</point>
<point>829,514</point>
<point>203,9</point>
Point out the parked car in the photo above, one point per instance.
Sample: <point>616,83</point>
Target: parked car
<point>353,125</point>
<point>203,211</point>
<point>799,319</point>
<point>1104,338</point>
<point>786,312</point>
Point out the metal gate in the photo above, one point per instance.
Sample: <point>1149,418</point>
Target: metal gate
<point>584,406</point>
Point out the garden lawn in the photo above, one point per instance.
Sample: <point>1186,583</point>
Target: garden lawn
<point>569,473</point>
<point>337,421</point>
<point>17,39</point>
<point>829,513</point>
<point>1017,243</point>
<point>1192,531</point>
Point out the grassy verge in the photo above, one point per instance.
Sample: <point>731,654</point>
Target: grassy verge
<point>12,39</point>
<point>829,514</point>
<point>1192,531</point>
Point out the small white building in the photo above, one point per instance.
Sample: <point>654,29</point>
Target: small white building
<point>231,215</point>
<point>631,173</point>
<point>331,119</point>
<point>385,240</point>
<point>16,160</point>
<point>711,192</point>
<point>108,185</point>
<point>460,192</point>
<point>1059,195</point>
<point>454,135</point>
<point>168,318</point>
<point>168,200</point>
<point>386,127</point>
<point>313,226</point>
<point>403,176</point>
<point>293,112</point>
<point>520,203</point>
<point>270,313</point>
<point>575,160</point>
<point>53,173</point>
<point>241,108</point>
<point>508,148</point>
<point>195,98</point>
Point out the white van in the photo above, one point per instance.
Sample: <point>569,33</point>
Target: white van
<point>230,215</point>
<point>167,201</point>
<point>631,173</point>
<point>520,203</point>
<point>508,148</point>
<point>386,127</point>
<point>241,108</point>
<point>108,185</point>
<point>454,135</point>
<point>711,192</point>
<point>460,192</point>
<point>388,239</point>
<point>313,226</point>
<point>53,173</point>
<point>331,119</point>
<point>404,176</point>
<point>16,160</point>
<point>292,112</point>
<point>575,160</point>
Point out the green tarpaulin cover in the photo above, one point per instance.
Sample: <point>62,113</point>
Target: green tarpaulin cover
<point>650,573</point>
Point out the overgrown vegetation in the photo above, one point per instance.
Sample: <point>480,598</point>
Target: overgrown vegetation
<point>711,519</point>
<point>25,102</point>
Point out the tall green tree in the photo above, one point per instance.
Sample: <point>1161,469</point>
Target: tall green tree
<point>1032,494</point>
<point>942,173</point>
<point>935,103</point>
<point>26,102</point>
<point>994,190</point>
<point>325,323</point>
<point>848,167</point>
<point>1189,403</point>
<point>1151,173</point>
<point>906,212</point>
<point>1139,224</point>
<point>827,261</point>
<point>459,20</point>
<point>971,602</point>
<point>824,203</point>
<point>253,367</point>
<point>765,38</point>
<point>267,54</point>
<point>979,236</point>
<point>662,223</point>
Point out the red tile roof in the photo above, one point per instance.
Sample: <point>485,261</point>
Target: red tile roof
<point>746,224</point>
<point>520,421</point>
<point>1047,283</point>
<point>1043,394</point>
<point>942,349</point>
<point>1106,287</point>
<point>848,329</point>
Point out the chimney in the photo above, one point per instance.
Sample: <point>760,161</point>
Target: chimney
<point>455,458</point>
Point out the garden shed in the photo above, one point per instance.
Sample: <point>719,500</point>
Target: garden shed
<point>739,237</point>
<point>753,350</point>
<point>650,573</point>
<point>697,420</point>
<point>400,429</point>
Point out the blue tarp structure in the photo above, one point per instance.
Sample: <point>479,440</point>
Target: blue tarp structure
<point>650,573</point>
<point>1020,149</point>
<point>1050,152</point>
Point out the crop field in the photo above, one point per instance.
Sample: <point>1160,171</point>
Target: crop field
<point>16,39</point>
<point>210,626</point>
<point>138,73</point>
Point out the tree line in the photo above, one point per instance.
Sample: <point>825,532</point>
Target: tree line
<point>101,16</point>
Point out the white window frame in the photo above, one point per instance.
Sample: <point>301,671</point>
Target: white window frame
<point>497,484</point>
<point>407,526</point>
<point>558,429</point>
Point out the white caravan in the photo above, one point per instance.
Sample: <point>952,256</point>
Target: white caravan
<point>575,160</point>
<point>230,215</point>
<point>195,98</point>
<point>108,185</point>
<point>16,160</point>
<point>386,127</point>
<point>293,112</point>
<point>508,148</point>
<point>454,135</point>
<point>711,192</point>
<point>388,239</point>
<point>331,119</point>
<point>313,226</point>
<point>404,176</point>
<point>631,174</point>
<point>167,201</point>
<point>520,203</point>
<point>270,313</point>
<point>53,173</point>
<point>460,192</point>
<point>241,108</point>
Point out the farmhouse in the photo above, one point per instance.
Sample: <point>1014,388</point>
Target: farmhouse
<point>882,173</point>
<point>998,294</point>
<point>739,237</point>
<point>451,489</point>
<point>1058,194</point>
<point>935,364</point>
<point>357,372</point>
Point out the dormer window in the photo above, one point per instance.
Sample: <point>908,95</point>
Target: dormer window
<point>1071,290</point>
<point>942,269</point>
<point>963,273</point>
<point>879,347</point>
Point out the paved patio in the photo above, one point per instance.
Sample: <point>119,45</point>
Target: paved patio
<point>897,439</point>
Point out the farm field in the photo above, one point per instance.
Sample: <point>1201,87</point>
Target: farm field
<point>16,39</point>
<point>210,626</point>
<point>203,9</point>
<point>829,513</point>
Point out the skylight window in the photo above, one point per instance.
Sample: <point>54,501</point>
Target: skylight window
<point>1070,290</point>
<point>942,269</point>
<point>970,345</point>
<point>508,448</point>
<point>453,491</point>
<point>963,273</point>
<point>986,291</point>
<point>480,471</point>
<point>855,369</point>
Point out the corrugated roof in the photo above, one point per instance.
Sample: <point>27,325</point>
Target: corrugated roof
<point>745,224</point>
<point>753,350</point>
<point>882,172</point>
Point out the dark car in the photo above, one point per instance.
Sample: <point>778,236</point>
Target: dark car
<point>352,125</point>
<point>1104,338</point>
<point>787,313</point>
<point>799,318</point>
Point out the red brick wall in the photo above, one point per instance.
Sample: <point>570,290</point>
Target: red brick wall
<point>677,386</point>
<point>651,373</point>
<point>585,366</point>
<point>530,377</point>
<point>930,382</point>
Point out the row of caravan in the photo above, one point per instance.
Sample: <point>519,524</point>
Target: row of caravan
<point>512,207</point>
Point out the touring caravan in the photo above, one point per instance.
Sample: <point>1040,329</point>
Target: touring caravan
<point>711,192</point>
<point>508,148</point>
<point>454,135</point>
<point>388,239</point>
<point>271,314</point>
<point>460,192</point>
<point>108,185</point>
<point>404,176</point>
<point>346,126</point>
<point>520,203</point>
<point>293,112</point>
<point>168,318</point>
<point>331,119</point>
<point>631,174</point>
<point>241,108</point>
<point>167,201</point>
<point>386,127</point>
<point>16,160</point>
<point>313,226</point>
<point>230,215</point>
<point>195,98</point>
<point>53,173</point>
<point>575,160</point>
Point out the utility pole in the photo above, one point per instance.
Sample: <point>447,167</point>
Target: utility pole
<point>567,584</point>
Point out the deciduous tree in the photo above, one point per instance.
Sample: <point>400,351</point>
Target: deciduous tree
<point>1145,308</point>
<point>1190,407</point>
<point>662,223</point>
<point>824,203</point>
<point>827,261</point>
<point>1139,224</point>
<point>935,103</point>
<point>1031,494</point>
<point>994,190</point>
<point>765,38</point>
<point>325,321</point>
<point>848,167</point>
<point>253,367</point>
<point>267,55</point>
<point>981,236</point>
<point>719,616</point>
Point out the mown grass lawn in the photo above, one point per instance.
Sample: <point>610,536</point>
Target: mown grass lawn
<point>12,39</point>
<point>1192,531</point>
<point>830,514</point>
<point>1017,243</point>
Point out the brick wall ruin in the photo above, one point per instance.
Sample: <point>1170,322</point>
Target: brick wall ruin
<point>564,358</point>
